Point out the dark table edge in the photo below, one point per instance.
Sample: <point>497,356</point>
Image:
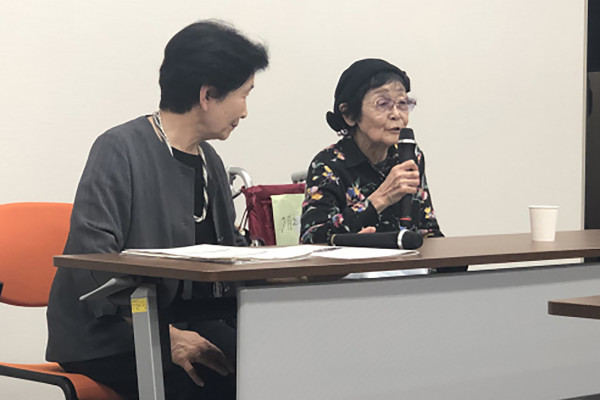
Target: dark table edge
<point>576,307</point>
<point>211,272</point>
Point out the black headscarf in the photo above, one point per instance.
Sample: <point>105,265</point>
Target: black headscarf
<point>352,79</point>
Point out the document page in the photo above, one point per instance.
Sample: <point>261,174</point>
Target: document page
<point>361,253</point>
<point>232,254</point>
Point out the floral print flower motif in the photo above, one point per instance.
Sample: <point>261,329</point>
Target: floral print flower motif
<point>338,155</point>
<point>337,220</point>
<point>354,193</point>
<point>428,211</point>
<point>328,174</point>
<point>359,207</point>
<point>314,193</point>
<point>315,165</point>
<point>355,199</point>
<point>307,236</point>
<point>422,194</point>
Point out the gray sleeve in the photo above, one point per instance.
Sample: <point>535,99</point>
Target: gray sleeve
<point>101,213</point>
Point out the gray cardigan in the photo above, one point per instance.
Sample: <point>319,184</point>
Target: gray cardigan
<point>132,194</point>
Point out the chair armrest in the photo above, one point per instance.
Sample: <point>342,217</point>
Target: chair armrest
<point>35,376</point>
<point>113,287</point>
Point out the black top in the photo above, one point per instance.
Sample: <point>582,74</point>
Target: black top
<point>205,230</point>
<point>339,181</point>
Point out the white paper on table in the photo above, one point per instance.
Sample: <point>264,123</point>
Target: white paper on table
<point>361,253</point>
<point>387,274</point>
<point>232,254</point>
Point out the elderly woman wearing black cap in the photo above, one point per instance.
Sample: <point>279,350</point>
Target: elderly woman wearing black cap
<point>356,184</point>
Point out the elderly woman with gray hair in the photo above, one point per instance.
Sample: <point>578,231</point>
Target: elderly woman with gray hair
<point>356,184</point>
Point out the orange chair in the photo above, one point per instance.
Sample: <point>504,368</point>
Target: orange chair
<point>30,235</point>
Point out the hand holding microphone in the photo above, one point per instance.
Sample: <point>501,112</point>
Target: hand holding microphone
<point>399,185</point>
<point>403,179</point>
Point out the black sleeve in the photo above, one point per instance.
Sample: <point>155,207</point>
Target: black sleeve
<point>428,223</point>
<point>330,207</point>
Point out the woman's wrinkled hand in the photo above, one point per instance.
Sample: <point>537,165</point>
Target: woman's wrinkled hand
<point>403,179</point>
<point>188,348</point>
<point>368,229</point>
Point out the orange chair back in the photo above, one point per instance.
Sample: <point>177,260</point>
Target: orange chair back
<point>30,235</point>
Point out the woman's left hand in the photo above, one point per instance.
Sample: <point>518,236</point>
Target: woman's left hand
<point>368,229</point>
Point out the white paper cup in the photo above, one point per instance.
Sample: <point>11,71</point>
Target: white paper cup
<point>543,223</point>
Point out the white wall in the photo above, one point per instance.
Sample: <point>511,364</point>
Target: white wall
<point>500,85</point>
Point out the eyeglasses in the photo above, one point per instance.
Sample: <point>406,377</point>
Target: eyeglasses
<point>385,105</point>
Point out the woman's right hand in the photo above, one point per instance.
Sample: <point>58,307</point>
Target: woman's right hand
<point>403,179</point>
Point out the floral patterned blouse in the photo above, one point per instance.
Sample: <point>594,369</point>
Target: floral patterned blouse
<point>340,180</point>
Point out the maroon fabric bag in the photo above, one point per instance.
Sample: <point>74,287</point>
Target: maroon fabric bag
<point>258,217</point>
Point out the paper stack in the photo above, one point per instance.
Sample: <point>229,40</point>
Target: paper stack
<point>232,254</point>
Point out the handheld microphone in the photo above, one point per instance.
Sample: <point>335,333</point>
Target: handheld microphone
<point>404,239</point>
<point>406,151</point>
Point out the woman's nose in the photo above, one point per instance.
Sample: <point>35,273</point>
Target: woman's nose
<point>395,113</point>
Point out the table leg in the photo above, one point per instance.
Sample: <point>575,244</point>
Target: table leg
<point>144,309</point>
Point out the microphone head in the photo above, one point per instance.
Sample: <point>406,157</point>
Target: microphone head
<point>409,240</point>
<point>406,134</point>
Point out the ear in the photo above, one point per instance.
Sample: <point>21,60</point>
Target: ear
<point>206,95</point>
<point>343,108</point>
